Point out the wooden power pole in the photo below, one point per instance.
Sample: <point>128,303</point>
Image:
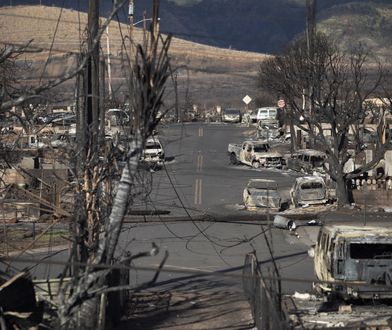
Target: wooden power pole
<point>310,37</point>
<point>93,75</point>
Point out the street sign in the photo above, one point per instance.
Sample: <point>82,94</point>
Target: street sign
<point>281,103</point>
<point>247,99</point>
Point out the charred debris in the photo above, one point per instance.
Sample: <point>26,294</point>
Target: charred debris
<point>85,177</point>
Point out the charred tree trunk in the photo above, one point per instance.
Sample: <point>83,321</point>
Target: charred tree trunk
<point>343,191</point>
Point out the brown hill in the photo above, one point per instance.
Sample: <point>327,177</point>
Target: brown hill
<point>212,75</point>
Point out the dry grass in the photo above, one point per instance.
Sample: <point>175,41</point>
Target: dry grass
<point>230,73</point>
<point>17,238</point>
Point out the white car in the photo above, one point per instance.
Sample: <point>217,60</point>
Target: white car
<point>153,153</point>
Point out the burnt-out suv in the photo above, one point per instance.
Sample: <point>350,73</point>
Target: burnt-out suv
<point>307,161</point>
<point>354,261</point>
<point>308,190</point>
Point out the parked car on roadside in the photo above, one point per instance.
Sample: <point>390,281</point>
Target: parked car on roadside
<point>250,117</point>
<point>254,153</point>
<point>307,161</point>
<point>268,129</point>
<point>231,115</point>
<point>266,113</point>
<point>117,117</point>
<point>153,154</point>
<point>263,193</point>
<point>62,141</point>
<point>308,190</point>
<point>354,262</point>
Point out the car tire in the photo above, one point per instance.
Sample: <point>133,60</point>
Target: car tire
<point>233,159</point>
<point>380,172</point>
<point>256,165</point>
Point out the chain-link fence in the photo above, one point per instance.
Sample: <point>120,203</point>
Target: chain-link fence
<point>264,296</point>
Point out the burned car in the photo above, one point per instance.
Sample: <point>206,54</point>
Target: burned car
<point>254,153</point>
<point>308,190</point>
<point>153,154</point>
<point>307,161</point>
<point>263,193</point>
<point>268,129</point>
<point>355,261</point>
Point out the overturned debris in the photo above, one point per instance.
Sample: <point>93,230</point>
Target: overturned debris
<point>284,223</point>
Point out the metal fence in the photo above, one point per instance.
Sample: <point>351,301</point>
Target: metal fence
<point>264,296</point>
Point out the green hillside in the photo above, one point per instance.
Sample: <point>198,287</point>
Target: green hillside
<point>359,22</point>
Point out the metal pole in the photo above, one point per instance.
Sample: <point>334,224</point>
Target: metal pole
<point>135,123</point>
<point>110,90</point>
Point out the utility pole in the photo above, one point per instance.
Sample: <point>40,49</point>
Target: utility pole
<point>155,22</point>
<point>310,38</point>
<point>93,74</point>
<point>110,90</point>
<point>87,133</point>
<point>144,30</point>
<point>131,13</point>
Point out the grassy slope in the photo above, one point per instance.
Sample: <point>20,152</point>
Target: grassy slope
<point>216,75</point>
<point>365,23</point>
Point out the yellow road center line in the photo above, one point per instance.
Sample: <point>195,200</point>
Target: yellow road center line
<point>198,192</point>
<point>199,162</point>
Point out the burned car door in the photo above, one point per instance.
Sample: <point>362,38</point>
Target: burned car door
<point>339,261</point>
<point>248,153</point>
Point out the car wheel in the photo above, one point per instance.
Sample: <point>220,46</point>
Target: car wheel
<point>256,165</point>
<point>380,173</point>
<point>233,159</point>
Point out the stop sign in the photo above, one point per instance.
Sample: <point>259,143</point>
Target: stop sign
<point>281,103</point>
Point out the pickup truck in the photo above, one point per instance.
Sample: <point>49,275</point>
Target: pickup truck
<point>254,153</point>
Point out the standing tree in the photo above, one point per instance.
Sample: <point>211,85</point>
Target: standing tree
<point>102,197</point>
<point>336,85</point>
<point>101,209</point>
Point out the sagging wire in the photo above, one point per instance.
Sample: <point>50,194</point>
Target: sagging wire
<point>52,42</point>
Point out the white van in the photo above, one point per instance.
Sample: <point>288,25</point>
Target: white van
<point>266,113</point>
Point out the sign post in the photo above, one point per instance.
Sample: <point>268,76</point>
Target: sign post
<point>247,100</point>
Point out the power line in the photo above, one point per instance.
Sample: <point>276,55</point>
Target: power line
<point>169,269</point>
<point>52,43</point>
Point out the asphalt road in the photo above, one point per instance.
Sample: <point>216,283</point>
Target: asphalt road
<point>198,175</point>
<point>198,179</point>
